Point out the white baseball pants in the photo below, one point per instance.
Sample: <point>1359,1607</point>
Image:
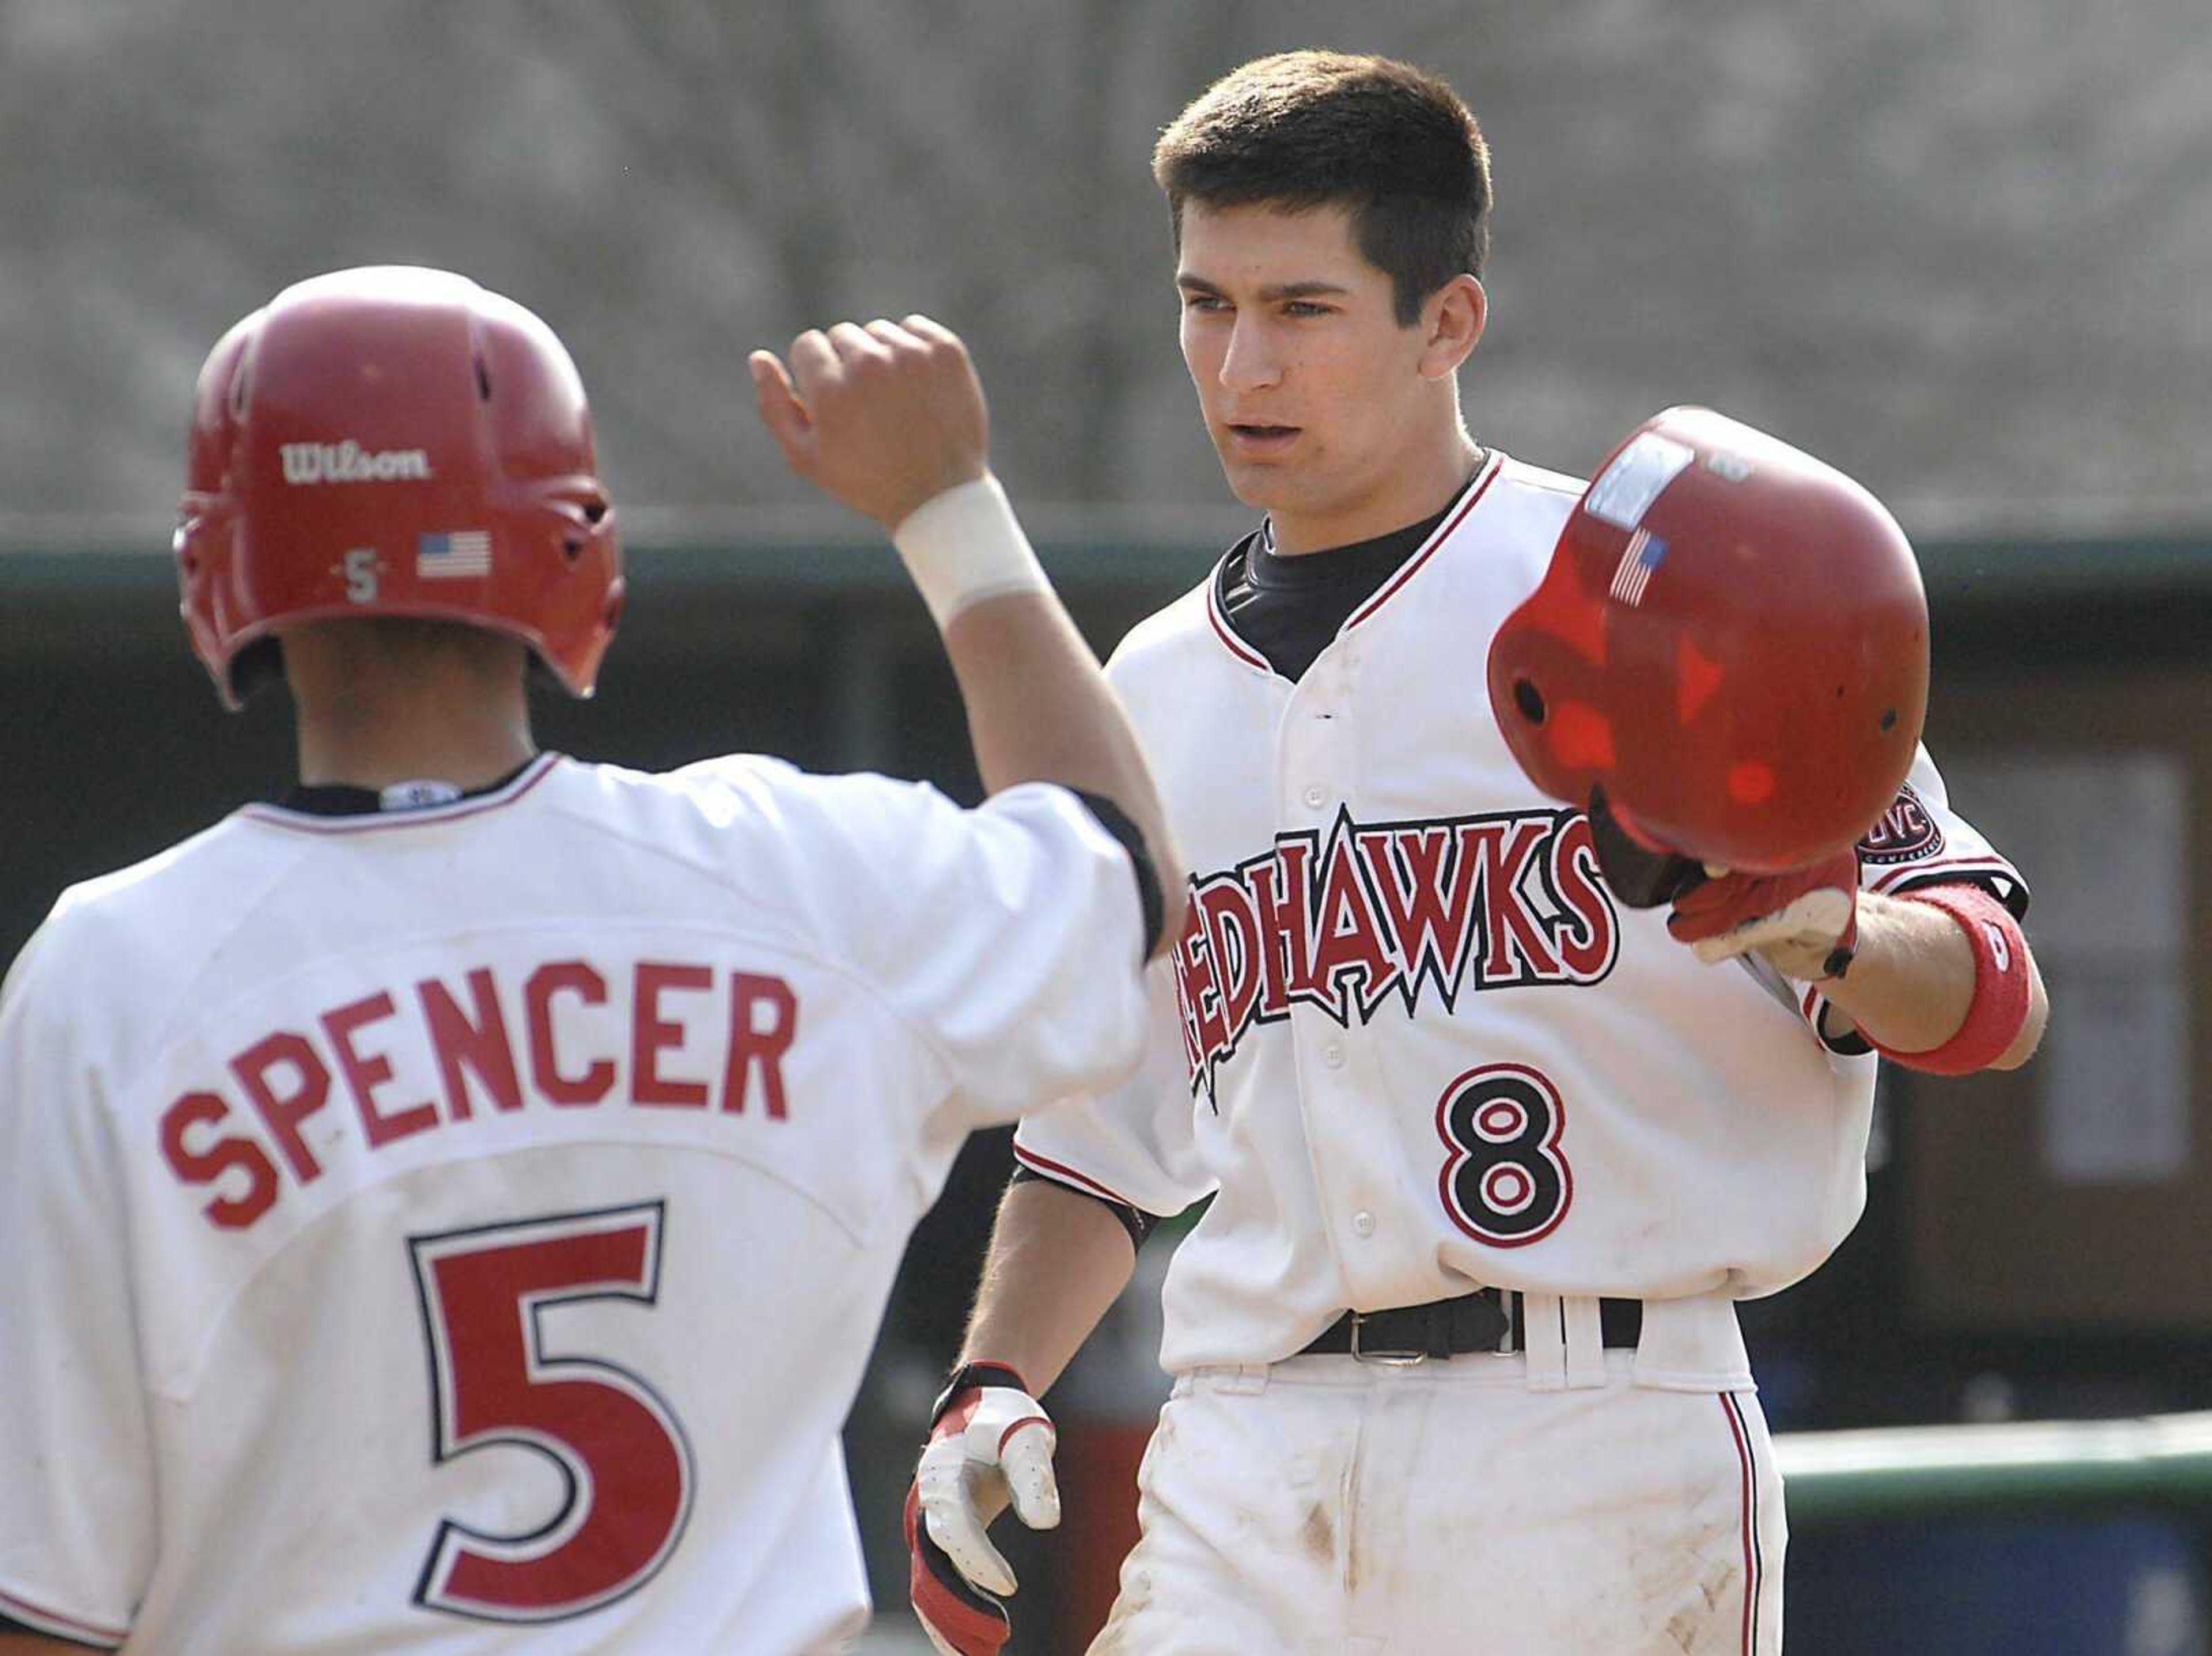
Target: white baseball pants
<point>1324,1506</point>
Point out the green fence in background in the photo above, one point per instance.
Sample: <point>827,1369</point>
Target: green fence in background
<point>2013,1468</point>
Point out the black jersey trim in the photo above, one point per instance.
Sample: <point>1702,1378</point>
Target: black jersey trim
<point>1988,874</point>
<point>347,799</point>
<point>315,820</point>
<point>1116,822</point>
<point>1217,613</point>
<point>1138,1224</point>
<point>1479,485</point>
<point>1289,610</point>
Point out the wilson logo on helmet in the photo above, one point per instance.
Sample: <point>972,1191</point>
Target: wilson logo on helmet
<point>349,463</point>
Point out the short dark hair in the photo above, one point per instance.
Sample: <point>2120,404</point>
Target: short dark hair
<point>1390,143</point>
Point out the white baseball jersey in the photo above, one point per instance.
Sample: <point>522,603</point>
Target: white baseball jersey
<point>1408,1040</point>
<point>464,1229</point>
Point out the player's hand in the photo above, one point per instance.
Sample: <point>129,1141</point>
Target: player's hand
<point>882,417</point>
<point>1804,922</point>
<point>990,1446</point>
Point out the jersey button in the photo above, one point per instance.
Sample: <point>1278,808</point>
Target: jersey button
<point>1332,1055</point>
<point>1363,1223</point>
<point>1314,796</point>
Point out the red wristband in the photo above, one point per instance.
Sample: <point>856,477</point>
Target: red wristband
<point>2002,995</point>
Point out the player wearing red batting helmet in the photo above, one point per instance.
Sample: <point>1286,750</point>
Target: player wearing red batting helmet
<point>451,1204</point>
<point>363,446</point>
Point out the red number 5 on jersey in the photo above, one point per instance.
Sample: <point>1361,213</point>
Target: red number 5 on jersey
<point>618,1445</point>
<point>1504,1181</point>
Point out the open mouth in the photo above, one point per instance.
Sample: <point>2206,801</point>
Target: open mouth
<point>1260,436</point>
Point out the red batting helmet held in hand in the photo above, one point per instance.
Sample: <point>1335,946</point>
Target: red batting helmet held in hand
<point>1728,654</point>
<point>394,442</point>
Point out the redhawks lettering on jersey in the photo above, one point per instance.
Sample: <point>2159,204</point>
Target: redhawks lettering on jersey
<point>1383,909</point>
<point>460,1032</point>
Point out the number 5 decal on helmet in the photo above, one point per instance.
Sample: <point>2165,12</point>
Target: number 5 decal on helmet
<point>1504,1181</point>
<point>620,1448</point>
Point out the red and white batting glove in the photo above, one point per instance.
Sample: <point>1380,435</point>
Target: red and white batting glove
<point>1805,923</point>
<point>990,1445</point>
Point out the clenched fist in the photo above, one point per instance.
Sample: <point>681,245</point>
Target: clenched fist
<point>882,417</point>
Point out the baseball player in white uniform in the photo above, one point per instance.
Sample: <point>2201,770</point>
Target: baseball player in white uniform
<point>449,1209</point>
<point>1489,1154</point>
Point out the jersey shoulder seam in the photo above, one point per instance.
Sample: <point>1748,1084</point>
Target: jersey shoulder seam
<point>209,945</point>
<point>789,938</point>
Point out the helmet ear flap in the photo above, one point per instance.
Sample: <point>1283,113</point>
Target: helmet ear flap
<point>1639,874</point>
<point>257,666</point>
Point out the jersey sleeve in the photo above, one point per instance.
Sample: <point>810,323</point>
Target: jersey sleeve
<point>1919,841</point>
<point>1134,1145</point>
<point>77,1472</point>
<point>1011,936</point>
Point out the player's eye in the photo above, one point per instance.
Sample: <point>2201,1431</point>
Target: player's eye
<point>1192,301</point>
<point>1303,307</point>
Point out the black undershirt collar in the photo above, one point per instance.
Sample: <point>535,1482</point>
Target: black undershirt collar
<point>346,799</point>
<point>1288,609</point>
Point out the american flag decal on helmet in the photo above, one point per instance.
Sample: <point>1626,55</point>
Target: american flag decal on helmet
<point>1644,553</point>
<point>465,552</point>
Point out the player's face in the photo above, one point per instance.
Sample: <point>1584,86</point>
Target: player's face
<point>1315,397</point>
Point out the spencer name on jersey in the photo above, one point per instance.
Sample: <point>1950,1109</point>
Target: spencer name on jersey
<point>415,1059</point>
<point>1387,911</point>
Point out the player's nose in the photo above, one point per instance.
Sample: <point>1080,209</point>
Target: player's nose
<point>1251,362</point>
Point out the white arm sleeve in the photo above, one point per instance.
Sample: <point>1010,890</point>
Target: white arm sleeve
<point>76,1474</point>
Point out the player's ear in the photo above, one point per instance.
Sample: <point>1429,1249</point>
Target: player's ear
<point>1452,320</point>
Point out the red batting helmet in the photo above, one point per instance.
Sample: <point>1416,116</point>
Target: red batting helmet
<point>394,442</point>
<point>1729,655</point>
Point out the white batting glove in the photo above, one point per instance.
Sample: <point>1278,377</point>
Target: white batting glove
<point>1805,923</point>
<point>990,1446</point>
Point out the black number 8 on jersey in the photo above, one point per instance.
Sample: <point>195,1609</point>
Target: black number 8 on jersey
<point>1504,1181</point>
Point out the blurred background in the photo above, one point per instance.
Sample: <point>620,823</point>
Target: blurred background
<point>1959,248</point>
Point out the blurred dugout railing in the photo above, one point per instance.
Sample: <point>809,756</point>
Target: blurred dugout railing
<point>2011,1468</point>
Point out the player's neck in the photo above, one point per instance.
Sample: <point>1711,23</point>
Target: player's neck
<point>1419,488</point>
<point>445,716</point>
<point>468,753</point>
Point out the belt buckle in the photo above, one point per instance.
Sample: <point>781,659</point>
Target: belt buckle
<point>1388,1359</point>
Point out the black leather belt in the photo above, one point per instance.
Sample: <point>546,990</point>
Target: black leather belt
<point>1488,1319</point>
